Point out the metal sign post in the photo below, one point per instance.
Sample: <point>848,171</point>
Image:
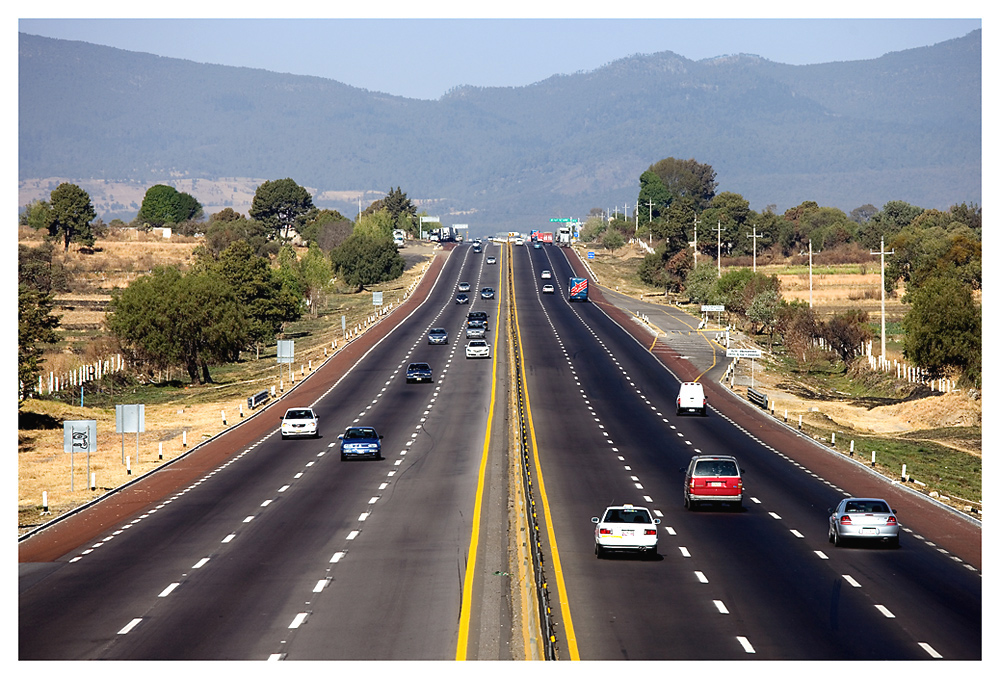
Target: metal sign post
<point>79,435</point>
<point>286,354</point>
<point>130,418</point>
<point>745,353</point>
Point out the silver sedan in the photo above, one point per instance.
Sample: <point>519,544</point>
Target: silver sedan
<point>863,519</point>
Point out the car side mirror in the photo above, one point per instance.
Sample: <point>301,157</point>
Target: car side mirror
<point>656,520</point>
<point>594,519</point>
<point>340,436</point>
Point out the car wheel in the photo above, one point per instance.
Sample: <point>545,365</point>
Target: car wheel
<point>837,540</point>
<point>599,551</point>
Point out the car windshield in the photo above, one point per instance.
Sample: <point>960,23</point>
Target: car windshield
<point>866,507</point>
<point>716,468</point>
<point>360,433</point>
<point>437,331</point>
<point>419,366</point>
<point>627,516</point>
<point>299,415</point>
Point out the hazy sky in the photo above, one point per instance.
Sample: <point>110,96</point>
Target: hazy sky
<point>425,57</point>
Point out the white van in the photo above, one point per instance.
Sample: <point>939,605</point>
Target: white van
<point>691,399</point>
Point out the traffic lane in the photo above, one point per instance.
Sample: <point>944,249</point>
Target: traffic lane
<point>624,445</point>
<point>71,532</point>
<point>796,493</point>
<point>401,578</point>
<point>948,529</point>
<point>125,569</point>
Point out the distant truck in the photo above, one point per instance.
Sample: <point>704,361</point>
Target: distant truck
<point>578,289</point>
<point>564,235</point>
<point>545,236</point>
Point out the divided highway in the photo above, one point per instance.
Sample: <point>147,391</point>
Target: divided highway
<point>286,552</point>
<point>759,583</point>
<point>282,551</point>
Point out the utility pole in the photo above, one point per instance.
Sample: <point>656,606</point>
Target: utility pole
<point>696,241</point>
<point>882,253</point>
<point>718,247</point>
<point>755,236</point>
<point>810,273</point>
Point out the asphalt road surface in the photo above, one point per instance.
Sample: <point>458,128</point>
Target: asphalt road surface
<point>258,548</point>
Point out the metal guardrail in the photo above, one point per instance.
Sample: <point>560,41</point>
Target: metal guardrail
<point>757,398</point>
<point>258,398</point>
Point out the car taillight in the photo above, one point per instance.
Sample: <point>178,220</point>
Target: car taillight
<point>891,521</point>
<point>845,520</point>
<point>605,531</point>
<point>650,531</point>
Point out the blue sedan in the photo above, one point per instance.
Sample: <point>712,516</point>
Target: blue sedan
<point>360,442</point>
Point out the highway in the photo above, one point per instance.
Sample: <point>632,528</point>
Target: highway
<point>281,551</point>
<point>286,552</point>
<point>762,583</point>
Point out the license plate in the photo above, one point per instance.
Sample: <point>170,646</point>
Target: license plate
<point>869,531</point>
<point>628,533</point>
<point>717,484</point>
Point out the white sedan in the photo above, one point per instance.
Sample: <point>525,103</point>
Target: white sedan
<point>546,273</point>
<point>300,422</point>
<point>548,289</point>
<point>626,528</point>
<point>477,348</point>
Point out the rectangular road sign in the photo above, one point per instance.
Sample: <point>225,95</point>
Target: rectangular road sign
<point>713,307</point>
<point>743,353</point>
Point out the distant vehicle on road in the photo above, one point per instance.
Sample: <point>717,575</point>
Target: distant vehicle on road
<point>486,293</point>
<point>299,422</point>
<point>462,299</point>
<point>360,442</point>
<point>491,260</point>
<point>858,518</point>
<point>479,316</point>
<point>548,289</point>
<point>464,287</point>
<point>546,273</point>
<point>475,329</point>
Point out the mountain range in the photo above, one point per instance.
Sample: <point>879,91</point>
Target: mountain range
<point>906,126</point>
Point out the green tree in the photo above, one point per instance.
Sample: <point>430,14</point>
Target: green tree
<point>699,283</point>
<point>612,240</point>
<point>763,311</point>
<point>220,233</point>
<point>281,205</point>
<point>35,215</point>
<point>70,215</point>
<point>317,274</point>
<point>886,223</point>
<point>944,329</point>
<point>164,204</point>
<point>266,303</point>
<point>687,178</point>
<point>36,325</point>
<point>328,229</point>
<point>654,197</point>
<point>166,319</point>
<point>366,259</point>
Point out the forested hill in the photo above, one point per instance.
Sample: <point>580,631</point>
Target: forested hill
<point>906,126</point>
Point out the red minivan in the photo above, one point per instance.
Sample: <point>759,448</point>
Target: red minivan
<point>713,478</point>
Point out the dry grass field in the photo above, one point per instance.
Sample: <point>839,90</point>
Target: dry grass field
<point>174,411</point>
